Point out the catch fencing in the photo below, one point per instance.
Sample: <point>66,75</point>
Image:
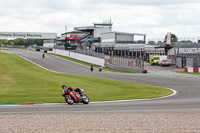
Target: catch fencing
<point>124,63</point>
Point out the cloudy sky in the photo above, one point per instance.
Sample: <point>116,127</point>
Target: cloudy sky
<point>152,17</point>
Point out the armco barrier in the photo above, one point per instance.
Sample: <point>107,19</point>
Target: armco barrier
<point>192,69</point>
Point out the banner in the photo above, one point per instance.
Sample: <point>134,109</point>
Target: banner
<point>37,35</point>
<point>169,38</point>
<point>187,50</point>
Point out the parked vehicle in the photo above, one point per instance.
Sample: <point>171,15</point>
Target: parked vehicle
<point>162,57</point>
<point>154,59</point>
<point>38,48</point>
<point>165,62</point>
<point>74,96</point>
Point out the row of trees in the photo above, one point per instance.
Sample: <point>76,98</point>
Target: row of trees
<point>19,41</point>
<point>173,40</point>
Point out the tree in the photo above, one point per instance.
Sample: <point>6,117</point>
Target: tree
<point>152,43</point>
<point>19,41</point>
<point>4,41</point>
<point>173,38</point>
<point>186,41</point>
<point>39,42</point>
<point>160,43</point>
<point>11,42</point>
<point>30,42</point>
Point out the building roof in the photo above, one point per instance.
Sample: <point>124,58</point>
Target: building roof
<point>103,23</point>
<point>83,28</point>
<point>75,32</point>
<point>124,33</point>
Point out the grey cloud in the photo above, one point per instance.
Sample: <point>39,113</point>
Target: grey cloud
<point>142,2</point>
<point>50,4</point>
<point>158,16</point>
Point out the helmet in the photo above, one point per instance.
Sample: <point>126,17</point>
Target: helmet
<point>64,86</point>
<point>70,88</point>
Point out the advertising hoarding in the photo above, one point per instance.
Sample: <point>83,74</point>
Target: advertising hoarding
<point>32,35</point>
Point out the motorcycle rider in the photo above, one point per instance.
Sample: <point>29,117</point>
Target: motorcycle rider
<point>92,68</point>
<point>70,89</point>
<point>43,55</point>
<point>100,68</point>
<point>64,89</point>
<point>78,91</point>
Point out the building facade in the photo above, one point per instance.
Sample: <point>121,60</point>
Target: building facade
<point>187,55</point>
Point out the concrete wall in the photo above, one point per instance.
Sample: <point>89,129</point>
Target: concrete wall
<point>81,57</point>
<point>61,52</point>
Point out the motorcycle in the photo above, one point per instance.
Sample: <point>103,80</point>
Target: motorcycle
<point>74,96</point>
<point>91,68</point>
<point>100,68</point>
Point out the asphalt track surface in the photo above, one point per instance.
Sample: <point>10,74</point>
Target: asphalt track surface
<point>187,98</point>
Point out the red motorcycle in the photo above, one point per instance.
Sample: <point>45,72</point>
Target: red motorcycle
<point>74,96</point>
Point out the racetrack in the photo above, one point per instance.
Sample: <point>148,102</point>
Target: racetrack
<point>178,113</point>
<point>186,100</point>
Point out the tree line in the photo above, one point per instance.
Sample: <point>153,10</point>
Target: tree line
<point>174,39</point>
<point>21,42</point>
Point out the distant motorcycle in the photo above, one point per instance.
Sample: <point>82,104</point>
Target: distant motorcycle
<point>100,68</point>
<point>74,96</point>
<point>91,68</point>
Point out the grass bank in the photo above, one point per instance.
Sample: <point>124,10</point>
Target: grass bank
<point>23,82</point>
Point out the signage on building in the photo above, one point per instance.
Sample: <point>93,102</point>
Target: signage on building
<point>168,38</point>
<point>75,37</point>
<point>28,35</point>
<point>187,50</point>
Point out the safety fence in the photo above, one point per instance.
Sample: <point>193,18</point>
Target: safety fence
<point>124,63</point>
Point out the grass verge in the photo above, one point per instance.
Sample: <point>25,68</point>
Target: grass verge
<point>23,82</point>
<point>189,73</point>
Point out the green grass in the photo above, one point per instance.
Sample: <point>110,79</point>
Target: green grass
<point>23,82</point>
<point>189,73</point>
<point>89,64</point>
